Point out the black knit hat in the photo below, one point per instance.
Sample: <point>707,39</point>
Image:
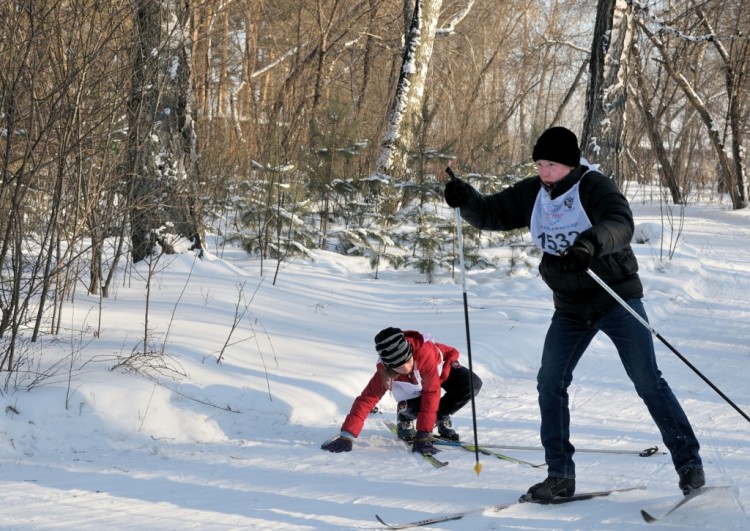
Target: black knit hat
<point>392,347</point>
<point>558,144</point>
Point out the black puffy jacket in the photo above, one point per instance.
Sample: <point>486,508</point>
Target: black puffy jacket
<point>609,212</point>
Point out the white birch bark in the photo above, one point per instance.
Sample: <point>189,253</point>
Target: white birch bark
<point>398,138</point>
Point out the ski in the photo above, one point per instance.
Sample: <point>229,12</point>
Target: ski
<point>646,452</point>
<point>650,517</point>
<point>443,518</point>
<point>487,451</point>
<point>579,496</point>
<point>434,461</point>
<point>497,508</point>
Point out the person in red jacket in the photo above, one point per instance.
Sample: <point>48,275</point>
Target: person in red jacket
<point>416,370</point>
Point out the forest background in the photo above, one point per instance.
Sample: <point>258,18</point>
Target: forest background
<point>131,129</point>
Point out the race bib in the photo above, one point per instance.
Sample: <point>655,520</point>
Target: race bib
<point>407,390</point>
<point>556,223</point>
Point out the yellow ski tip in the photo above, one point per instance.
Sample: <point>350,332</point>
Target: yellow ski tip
<point>478,468</point>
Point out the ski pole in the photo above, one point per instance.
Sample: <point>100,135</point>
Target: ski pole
<point>670,347</point>
<point>459,236</point>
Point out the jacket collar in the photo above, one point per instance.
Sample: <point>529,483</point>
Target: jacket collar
<point>562,186</point>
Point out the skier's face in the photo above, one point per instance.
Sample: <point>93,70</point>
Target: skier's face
<point>551,172</point>
<point>406,368</point>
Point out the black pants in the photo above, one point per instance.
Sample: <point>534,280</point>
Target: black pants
<point>457,393</point>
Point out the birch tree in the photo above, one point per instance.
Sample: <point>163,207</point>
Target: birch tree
<point>398,138</point>
<point>404,120</point>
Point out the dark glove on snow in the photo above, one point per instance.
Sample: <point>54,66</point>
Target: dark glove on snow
<point>338,444</point>
<point>423,444</point>
<point>578,257</point>
<point>457,193</point>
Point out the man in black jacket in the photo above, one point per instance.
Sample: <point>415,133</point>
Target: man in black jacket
<point>580,219</point>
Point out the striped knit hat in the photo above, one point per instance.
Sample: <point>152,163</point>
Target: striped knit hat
<point>392,347</point>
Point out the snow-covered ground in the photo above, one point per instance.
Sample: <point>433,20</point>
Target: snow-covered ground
<point>236,444</point>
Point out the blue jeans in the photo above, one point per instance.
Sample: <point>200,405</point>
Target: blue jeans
<point>565,343</point>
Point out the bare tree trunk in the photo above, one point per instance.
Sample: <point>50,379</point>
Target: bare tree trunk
<point>604,123</point>
<point>369,53</point>
<point>669,176</point>
<point>571,91</point>
<point>732,76</point>
<point>407,104</point>
<point>162,143</point>
<point>727,176</point>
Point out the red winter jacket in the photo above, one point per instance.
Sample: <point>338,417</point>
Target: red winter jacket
<point>427,358</point>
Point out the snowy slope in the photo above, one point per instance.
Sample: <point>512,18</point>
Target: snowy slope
<point>236,444</point>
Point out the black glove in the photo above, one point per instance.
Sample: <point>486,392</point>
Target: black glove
<point>423,444</point>
<point>457,193</point>
<point>337,445</point>
<point>578,257</point>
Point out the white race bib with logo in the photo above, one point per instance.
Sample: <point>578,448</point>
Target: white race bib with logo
<point>556,223</point>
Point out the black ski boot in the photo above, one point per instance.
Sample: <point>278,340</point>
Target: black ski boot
<point>445,429</point>
<point>405,429</point>
<point>405,421</point>
<point>550,488</point>
<point>692,479</point>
